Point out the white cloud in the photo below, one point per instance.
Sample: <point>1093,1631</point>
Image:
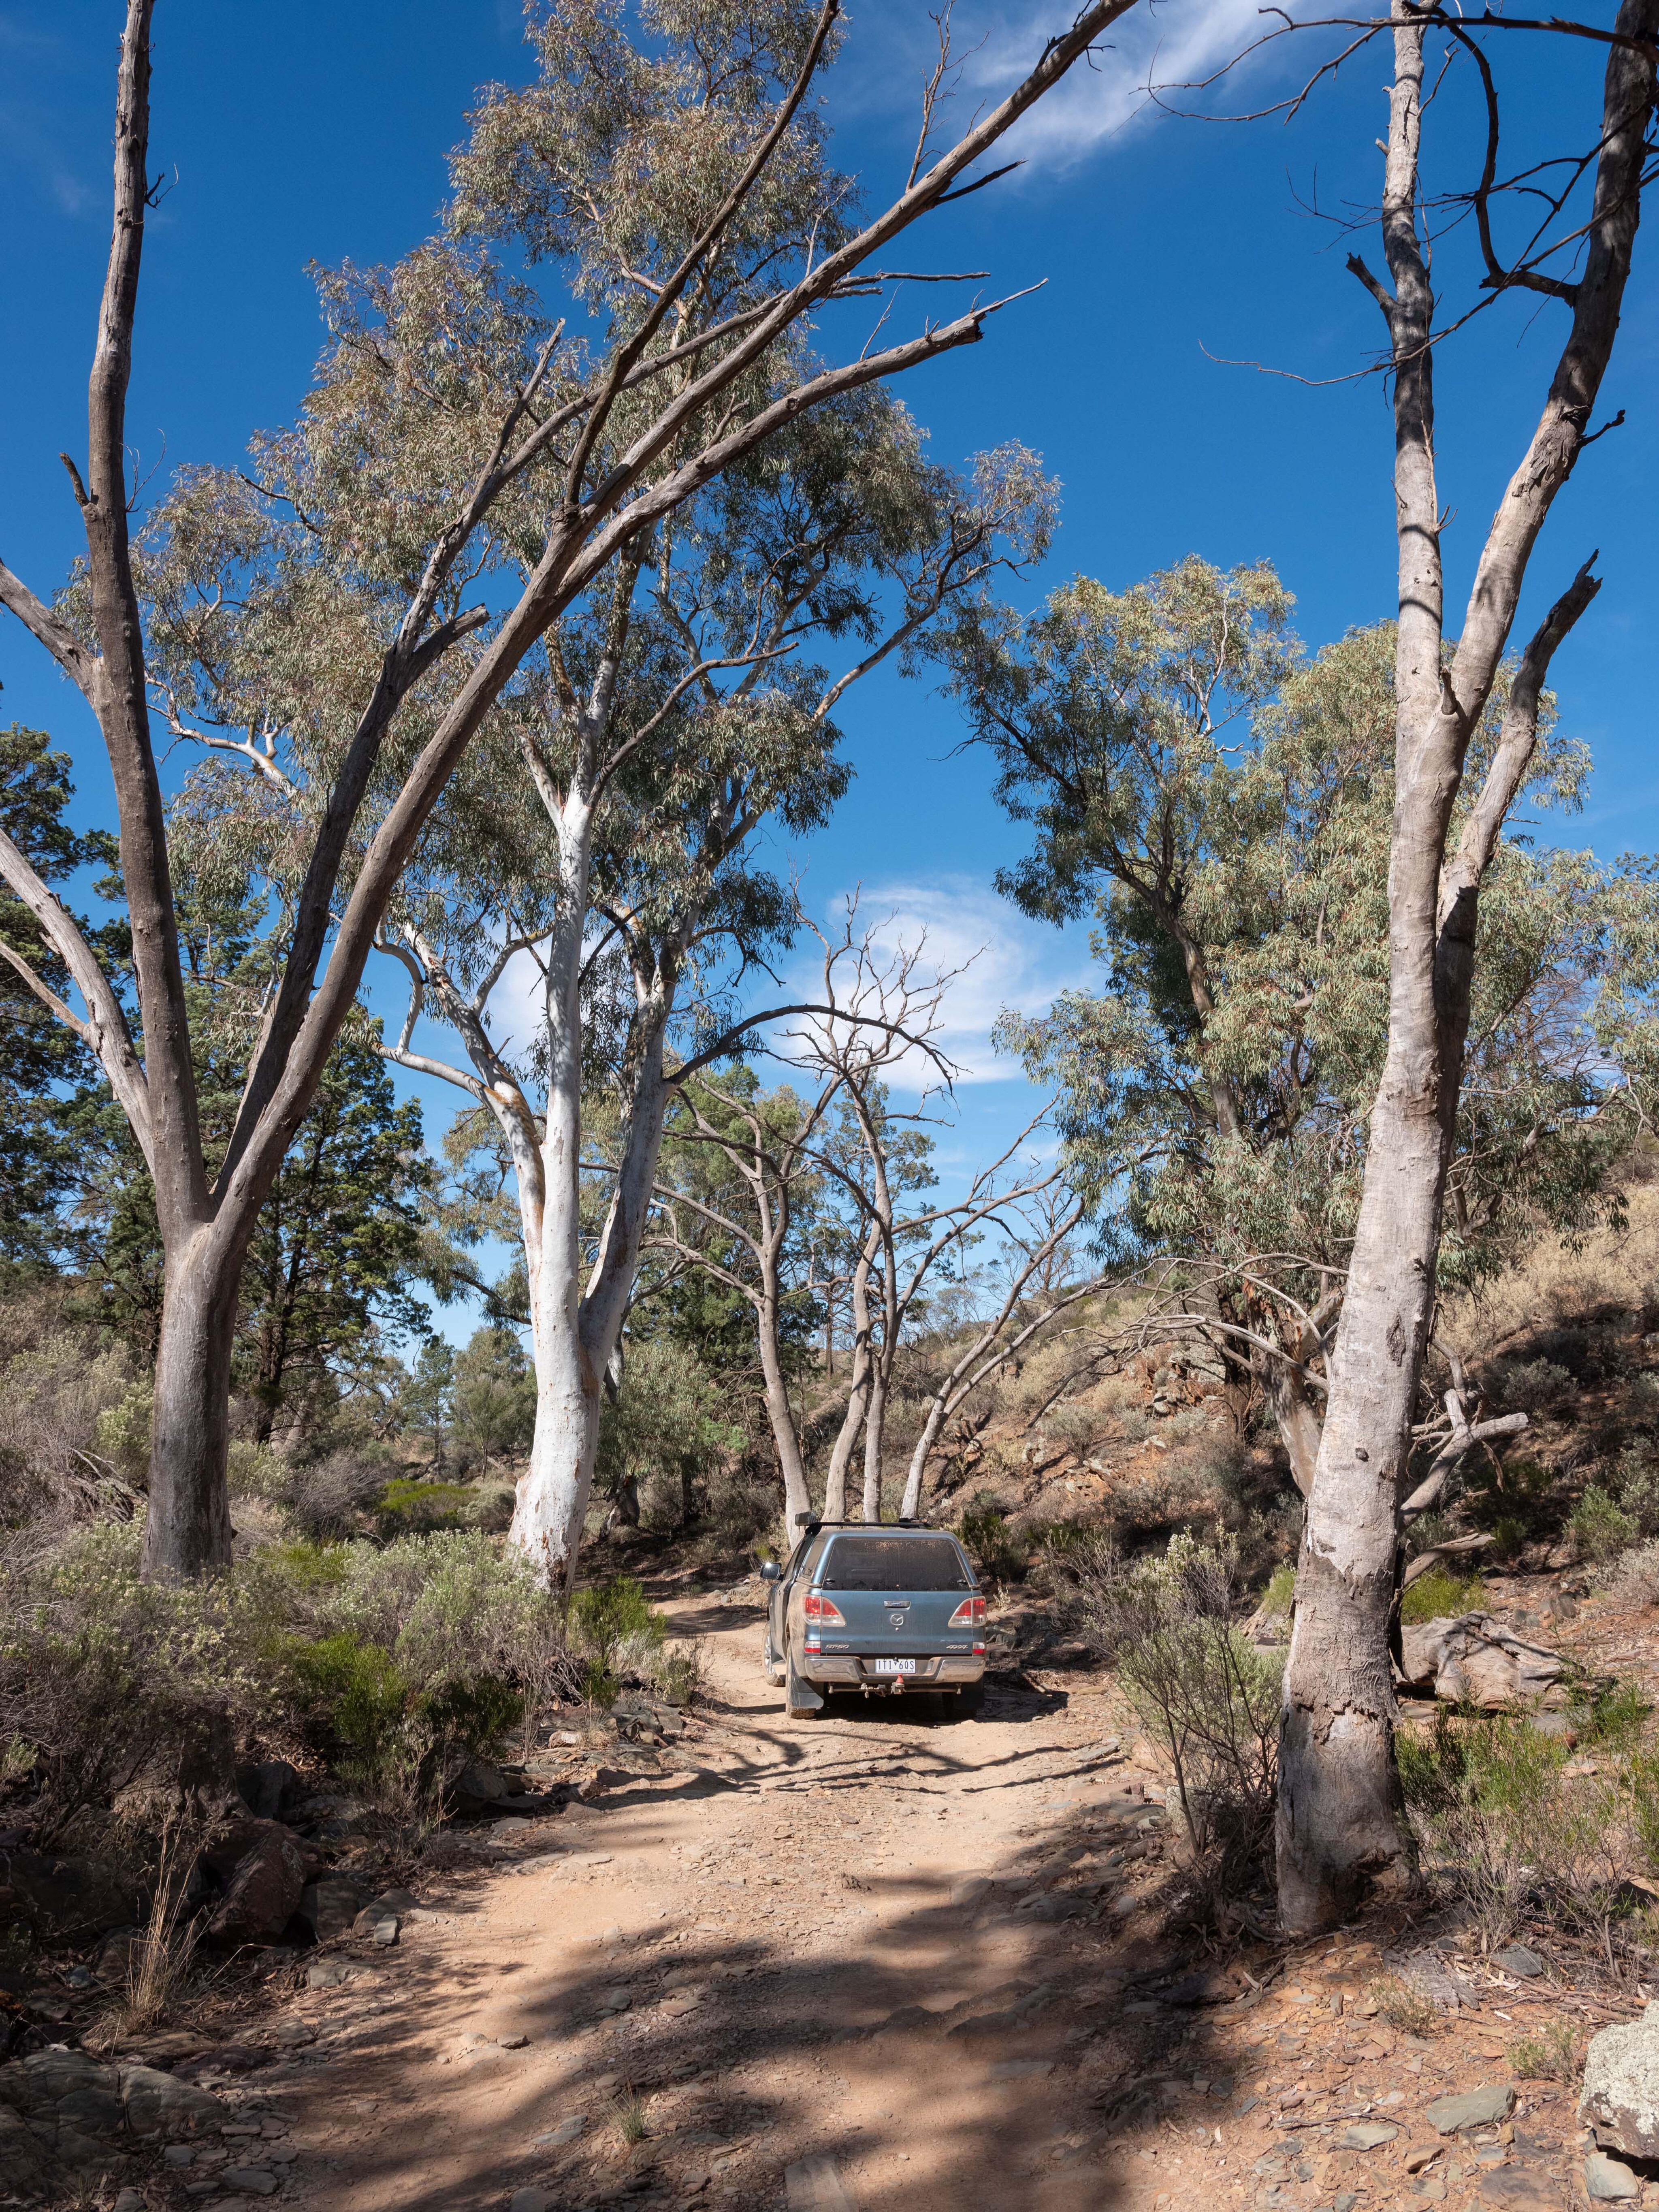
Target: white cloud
<point>997,958</point>
<point>1180,42</point>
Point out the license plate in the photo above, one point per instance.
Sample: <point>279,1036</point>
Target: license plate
<point>891,1666</point>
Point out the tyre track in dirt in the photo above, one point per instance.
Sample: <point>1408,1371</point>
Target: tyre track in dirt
<point>834,1940</point>
<point>924,1954</point>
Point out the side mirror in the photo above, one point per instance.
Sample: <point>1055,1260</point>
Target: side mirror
<point>771,1571</point>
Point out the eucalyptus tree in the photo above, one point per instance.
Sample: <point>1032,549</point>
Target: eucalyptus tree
<point>41,1060</point>
<point>317,626</point>
<point>738,1194</point>
<point>1341,1823</point>
<point>673,715</point>
<point>1223,808</point>
<point>1220,804</point>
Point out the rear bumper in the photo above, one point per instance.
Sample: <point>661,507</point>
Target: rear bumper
<point>934,1671</point>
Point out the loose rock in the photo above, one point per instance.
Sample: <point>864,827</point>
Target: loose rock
<point>1368,2135</point>
<point>258,2179</point>
<point>329,1907</point>
<point>1609,2180</point>
<point>1517,1959</point>
<point>1475,2108</point>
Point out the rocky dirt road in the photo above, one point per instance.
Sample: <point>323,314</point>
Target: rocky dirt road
<point>881,1960</point>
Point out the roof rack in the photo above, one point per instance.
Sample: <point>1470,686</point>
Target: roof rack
<point>813,1521</point>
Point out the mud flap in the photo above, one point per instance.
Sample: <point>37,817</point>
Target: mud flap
<point>802,1698</point>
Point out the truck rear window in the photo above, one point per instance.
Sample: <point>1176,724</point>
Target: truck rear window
<point>894,1563</point>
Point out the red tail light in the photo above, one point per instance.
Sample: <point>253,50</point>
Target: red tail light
<point>968,1614</point>
<point>818,1608</point>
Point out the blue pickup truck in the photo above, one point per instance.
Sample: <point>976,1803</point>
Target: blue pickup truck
<point>881,1609</point>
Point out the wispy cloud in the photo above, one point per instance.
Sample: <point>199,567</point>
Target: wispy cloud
<point>1179,42</point>
<point>995,956</point>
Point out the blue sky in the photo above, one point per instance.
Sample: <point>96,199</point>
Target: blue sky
<point>1167,248</point>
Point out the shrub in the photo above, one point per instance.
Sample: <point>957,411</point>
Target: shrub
<point>1403,2008</point>
<point>984,1530</point>
<point>1489,1800</point>
<point>391,1658</point>
<point>1549,2056</point>
<point>613,1622</point>
<point>1635,1580</point>
<point>1201,1691</point>
<point>409,1506</point>
<point>389,1739</point>
<point>1516,1503</point>
<point>354,1690</point>
<point>123,1429</point>
<point>1530,1385</point>
<point>1281,1593</point>
<point>1599,1528</point>
<point>1610,1716</point>
<point>1636,1484</point>
<point>1440,1594</point>
<point>111,1680</point>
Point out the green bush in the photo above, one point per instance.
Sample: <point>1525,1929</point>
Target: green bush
<point>1440,1595</point>
<point>110,1681</point>
<point>1281,1593</point>
<point>409,1506</point>
<point>1489,1800</point>
<point>1202,1692</point>
<point>612,1622</point>
<point>385,1736</point>
<point>388,1658</point>
<point>354,1690</point>
<point>985,1531</point>
<point>1599,1529</point>
<point>122,1431</point>
<point>1532,1385</point>
<point>1609,1715</point>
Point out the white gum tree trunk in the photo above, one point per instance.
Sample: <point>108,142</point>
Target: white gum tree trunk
<point>1340,1824</point>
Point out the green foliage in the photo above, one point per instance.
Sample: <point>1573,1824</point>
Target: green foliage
<point>1281,1593</point>
<point>614,1623</point>
<point>338,1240</point>
<point>495,1396</point>
<point>392,1659</point>
<point>40,1165</point>
<point>1508,1829</point>
<point>1535,1386</point>
<point>1441,1594</point>
<point>1550,2055</point>
<point>1206,1696</point>
<point>1599,1528</point>
<point>665,1431</point>
<point>991,1542</point>
<point>1516,1504</point>
<point>1610,1716</point>
<point>354,1689</point>
<point>1219,804</point>
<point>408,1505</point>
<point>123,1429</point>
<point>430,1395</point>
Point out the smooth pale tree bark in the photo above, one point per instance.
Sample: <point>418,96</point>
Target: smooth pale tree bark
<point>859,1379</point>
<point>604,502</point>
<point>1342,1825</point>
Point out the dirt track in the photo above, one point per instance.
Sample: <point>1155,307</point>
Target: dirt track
<point>908,1948</point>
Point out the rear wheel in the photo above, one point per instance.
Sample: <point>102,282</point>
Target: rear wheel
<point>966,1704</point>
